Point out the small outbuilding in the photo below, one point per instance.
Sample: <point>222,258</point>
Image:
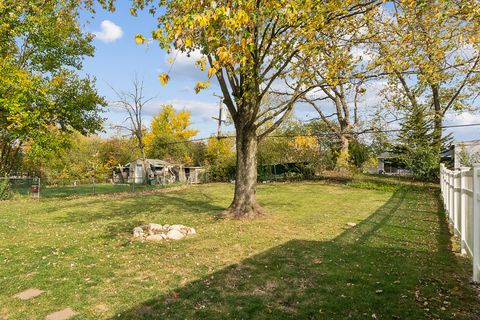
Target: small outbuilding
<point>388,164</point>
<point>194,174</point>
<point>156,171</point>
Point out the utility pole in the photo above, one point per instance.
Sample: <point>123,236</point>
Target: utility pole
<point>219,119</point>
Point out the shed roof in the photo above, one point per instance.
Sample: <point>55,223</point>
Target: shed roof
<point>155,162</point>
<point>386,155</point>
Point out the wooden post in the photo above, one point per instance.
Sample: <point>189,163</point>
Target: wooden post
<point>220,117</point>
<point>476,223</point>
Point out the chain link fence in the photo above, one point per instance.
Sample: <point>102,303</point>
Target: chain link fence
<point>45,187</point>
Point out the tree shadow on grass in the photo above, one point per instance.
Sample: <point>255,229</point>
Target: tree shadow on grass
<point>373,270</point>
<point>133,206</point>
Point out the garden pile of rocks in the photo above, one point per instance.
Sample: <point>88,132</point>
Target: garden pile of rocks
<point>158,232</point>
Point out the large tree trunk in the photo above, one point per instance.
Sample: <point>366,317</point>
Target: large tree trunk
<point>437,122</point>
<point>343,159</point>
<point>437,132</point>
<point>144,163</point>
<point>244,203</point>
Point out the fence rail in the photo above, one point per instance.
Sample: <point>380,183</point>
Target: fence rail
<point>461,198</point>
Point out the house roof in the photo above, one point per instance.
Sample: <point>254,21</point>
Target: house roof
<point>158,162</point>
<point>155,162</point>
<point>448,153</point>
<point>467,143</point>
<point>161,163</point>
<point>386,155</point>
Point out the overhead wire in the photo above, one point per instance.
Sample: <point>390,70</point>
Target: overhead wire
<point>319,134</point>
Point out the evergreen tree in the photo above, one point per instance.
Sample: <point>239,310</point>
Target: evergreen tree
<point>415,147</point>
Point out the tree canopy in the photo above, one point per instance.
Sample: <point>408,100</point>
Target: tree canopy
<point>430,52</point>
<point>169,134</point>
<point>251,47</point>
<point>41,47</point>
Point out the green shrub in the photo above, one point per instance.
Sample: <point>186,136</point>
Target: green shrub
<point>5,189</point>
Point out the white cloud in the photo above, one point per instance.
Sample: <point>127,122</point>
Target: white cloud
<point>463,118</point>
<point>184,60</point>
<point>184,66</point>
<point>201,114</point>
<point>109,32</point>
<point>200,110</point>
<point>362,53</point>
<point>367,103</point>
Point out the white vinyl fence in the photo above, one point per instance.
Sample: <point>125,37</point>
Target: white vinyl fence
<point>461,198</point>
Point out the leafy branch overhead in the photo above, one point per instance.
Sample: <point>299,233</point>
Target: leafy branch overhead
<point>42,46</point>
<point>255,49</point>
<point>250,46</point>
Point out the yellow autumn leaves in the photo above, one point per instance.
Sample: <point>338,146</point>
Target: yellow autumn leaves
<point>163,78</point>
<point>170,122</point>
<point>139,39</point>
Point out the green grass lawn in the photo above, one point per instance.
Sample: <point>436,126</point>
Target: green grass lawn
<point>87,189</point>
<point>301,262</point>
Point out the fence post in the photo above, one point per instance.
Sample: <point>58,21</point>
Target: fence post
<point>447,192</point>
<point>463,208</point>
<point>456,186</point>
<point>476,222</point>
<point>451,200</point>
<point>441,183</point>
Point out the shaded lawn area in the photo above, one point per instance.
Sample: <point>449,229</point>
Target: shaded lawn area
<point>299,263</point>
<point>87,189</point>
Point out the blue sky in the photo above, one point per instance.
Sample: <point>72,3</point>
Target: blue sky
<point>118,59</point>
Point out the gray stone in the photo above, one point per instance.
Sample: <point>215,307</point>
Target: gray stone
<point>175,234</point>
<point>176,227</point>
<point>351,224</point>
<point>62,314</point>
<point>157,232</point>
<point>155,227</point>
<point>138,232</point>
<point>154,237</point>
<point>28,294</point>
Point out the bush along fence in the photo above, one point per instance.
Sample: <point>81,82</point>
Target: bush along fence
<point>461,198</point>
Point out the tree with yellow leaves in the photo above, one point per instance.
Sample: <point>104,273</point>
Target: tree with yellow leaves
<point>172,122</point>
<point>251,47</point>
<point>430,51</point>
<point>219,157</point>
<point>169,134</point>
